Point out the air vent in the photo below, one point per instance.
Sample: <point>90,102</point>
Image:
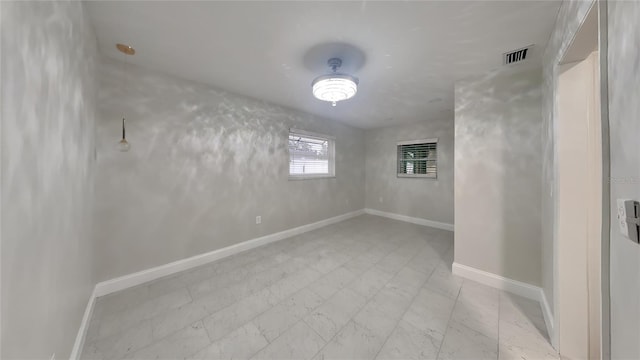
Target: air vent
<point>517,56</point>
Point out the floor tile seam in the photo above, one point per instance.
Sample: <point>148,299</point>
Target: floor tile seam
<point>413,299</point>
<point>401,267</point>
<point>166,336</point>
<point>190,295</point>
<point>351,258</point>
<point>210,314</point>
<point>356,313</point>
<point>262,257</point>
<point>213,263</point>
<point>248,275</point>
<point>248,278</point>
<point>473,329</point>
<point>368,269</point>
<point>395,273</point>
<point>208,337</point>
<point>184,285</point>
<point>312,329</point>
<point>150,318</point>
<point>338,249</point>
<point>316,244</point>
<point>446,331</point>
<point>382,257</point>
<point>196,351</point>
<point>298,320</point>
<point>211,342</point>
<point>354,258</point>
<point>306,287</point>
<point>271,307</point>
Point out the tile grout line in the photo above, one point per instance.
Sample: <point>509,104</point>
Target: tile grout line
<point>173,276</point>
<point>444,336</point>
<point>368,301</point>
<point>327,300</point>
<point>291,256</point>
<point>202,319</point>
<point>405,311</point>
<point>302,319</point>
<point>278,303</point>
<point>149,320</point>
<point>186,287</point>
<point>211,342</point>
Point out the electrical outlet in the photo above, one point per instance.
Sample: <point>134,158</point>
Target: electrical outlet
<point>258,219</point>
<point>629,218</point>
<point>622,218</point>
<point>381,199</point>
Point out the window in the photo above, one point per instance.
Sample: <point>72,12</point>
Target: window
<point>418,158</point>
<point>310,155</point>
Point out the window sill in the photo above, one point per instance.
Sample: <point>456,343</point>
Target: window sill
<point>418,176</point>
<point>311,177</point>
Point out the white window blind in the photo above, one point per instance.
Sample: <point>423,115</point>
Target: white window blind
<point>310,155</point>
<point>418,158</point>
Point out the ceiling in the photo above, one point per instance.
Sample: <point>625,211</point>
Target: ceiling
<point>410,53</point>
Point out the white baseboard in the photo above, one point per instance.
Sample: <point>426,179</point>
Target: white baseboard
<point>548,319</point>
<point>409,219</point>
<point>127,281</point>
<point>130,280</point>
<point>499,282</point>
<point>84,326</point>
<point>141,277</point>
<point>513,286</point>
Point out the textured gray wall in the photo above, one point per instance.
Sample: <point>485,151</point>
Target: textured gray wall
<point>48,115</point>
<point>497,174</point>
<point>430,199</point>
<point>570,16</point>
<point>203,164</point>
<point>624,121</point>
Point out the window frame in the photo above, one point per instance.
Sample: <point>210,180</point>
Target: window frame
<point>331,156</point>
<point>413,142</point>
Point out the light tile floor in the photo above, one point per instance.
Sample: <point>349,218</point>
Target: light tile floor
<point>365,288</point>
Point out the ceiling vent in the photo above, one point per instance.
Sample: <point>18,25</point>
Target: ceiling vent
<point>517,56</point>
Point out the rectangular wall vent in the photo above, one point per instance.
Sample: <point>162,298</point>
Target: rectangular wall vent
<point>516,56</point>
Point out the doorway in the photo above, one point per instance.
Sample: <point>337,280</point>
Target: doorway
<point>578,240</point>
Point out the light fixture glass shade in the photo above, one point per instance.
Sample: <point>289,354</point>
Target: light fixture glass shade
<point>334,87</point>
<point>123,145</point>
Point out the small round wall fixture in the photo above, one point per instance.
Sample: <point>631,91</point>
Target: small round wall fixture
<point>123,144</point>
<point>336,86</point>
<point>126,49</point>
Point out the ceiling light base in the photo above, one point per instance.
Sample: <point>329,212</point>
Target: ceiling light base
<point>334,63</point>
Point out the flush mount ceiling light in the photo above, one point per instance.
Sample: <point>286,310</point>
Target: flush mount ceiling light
<point>334,87</point>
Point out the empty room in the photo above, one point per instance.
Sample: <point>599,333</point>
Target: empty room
<point>320,179</point>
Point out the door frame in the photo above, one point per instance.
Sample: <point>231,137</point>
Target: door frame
<point>597,12</point>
